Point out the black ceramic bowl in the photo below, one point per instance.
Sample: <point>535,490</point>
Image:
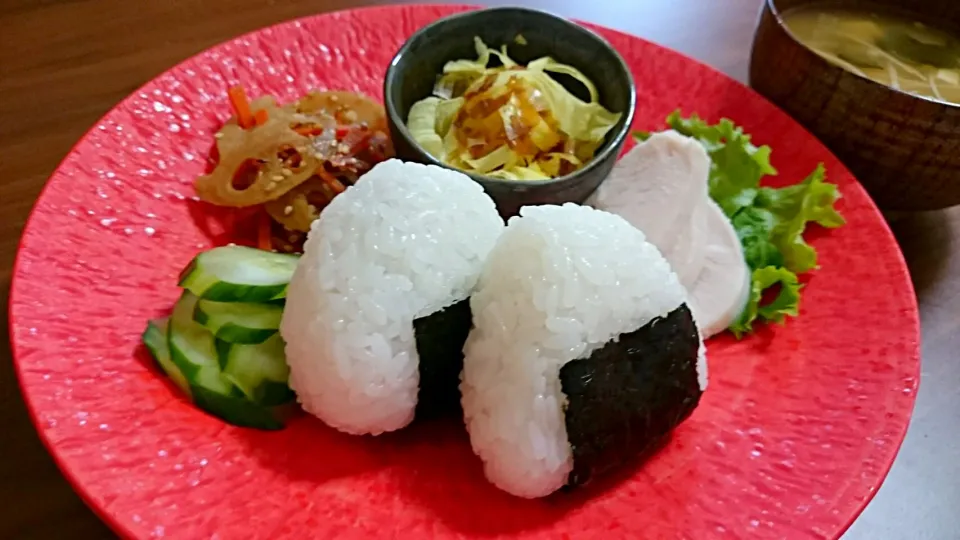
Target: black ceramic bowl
<point>418,63</point>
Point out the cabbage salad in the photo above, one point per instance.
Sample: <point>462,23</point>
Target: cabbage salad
<point>510,121</point>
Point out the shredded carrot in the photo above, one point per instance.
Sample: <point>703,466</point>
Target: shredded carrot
<point>361,144</point>
<point>308,130</point>
<point>260,117</point>
<point>328,193</point>
<point>330,181</point>
<point>238,98</point>
<point>263,232</point>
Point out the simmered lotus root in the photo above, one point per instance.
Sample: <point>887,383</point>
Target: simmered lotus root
<point>279,171</point>
<point>292,162</point>
<point>304,202</point>
<point>346,107</point>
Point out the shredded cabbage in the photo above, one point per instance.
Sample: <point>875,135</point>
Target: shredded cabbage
<point>509,121</point>
<point>422,125</point>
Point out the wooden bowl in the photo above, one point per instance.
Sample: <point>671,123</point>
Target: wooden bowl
<point>904,149</point>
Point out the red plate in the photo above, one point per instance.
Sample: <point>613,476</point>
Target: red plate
<point>793,437</point>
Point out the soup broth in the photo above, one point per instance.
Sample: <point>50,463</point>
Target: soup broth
<point>887,47</point>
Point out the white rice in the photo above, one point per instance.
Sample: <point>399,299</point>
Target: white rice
<point>407,240</point>
<point>561,282</point>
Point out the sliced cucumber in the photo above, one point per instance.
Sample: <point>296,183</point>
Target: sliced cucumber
<point>239,322</point>
<point>260,371</point>
<point>273,393</point>
<point>222,345</point>
<point>279,301</point>
<point>239,274</point>
<point>193,348</point>
<point>155,338</point>
<point>236,410</point>
<point>223,351</point>
<point>196,355</point>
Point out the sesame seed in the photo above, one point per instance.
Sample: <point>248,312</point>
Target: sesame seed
<point>277,178</point>
<point>312,209</point>
<point>286,171</point>
<point>218,135</point>
<point>343,149</point>
<point>292,238</point>
<point>271,186</point>
<point>288,210</point>
<point>318,155</point>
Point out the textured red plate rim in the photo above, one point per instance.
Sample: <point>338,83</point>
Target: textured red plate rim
<point>121,528</point>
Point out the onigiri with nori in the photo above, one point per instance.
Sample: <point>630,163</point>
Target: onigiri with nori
<point>376,312</point>
<point>583,355</point>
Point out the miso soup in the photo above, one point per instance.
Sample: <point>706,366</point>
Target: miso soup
<point>884,46</point>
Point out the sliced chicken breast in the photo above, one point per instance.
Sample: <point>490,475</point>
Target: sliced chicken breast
<point>721,290</point>
<point>659,187</point>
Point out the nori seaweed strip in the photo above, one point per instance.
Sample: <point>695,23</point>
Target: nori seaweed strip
<point>440,337</point>
<point>626,396</point>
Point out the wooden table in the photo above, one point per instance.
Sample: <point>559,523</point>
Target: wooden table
<point>64,63</point>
